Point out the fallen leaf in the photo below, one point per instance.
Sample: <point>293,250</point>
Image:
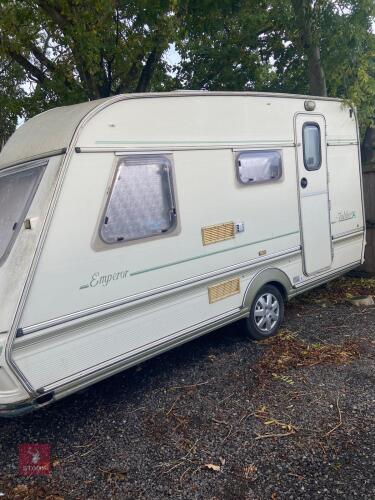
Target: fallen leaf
<point>113,475</point>
<point>214,467</point>
<point>249,470</point>
<point>21,489</point>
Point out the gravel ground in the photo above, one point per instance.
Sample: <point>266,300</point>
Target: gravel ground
<point>221,417</point>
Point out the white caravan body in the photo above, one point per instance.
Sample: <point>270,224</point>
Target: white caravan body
<point>132,224</point>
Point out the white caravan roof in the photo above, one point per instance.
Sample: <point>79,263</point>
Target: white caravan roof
<point>52,132</point>
<point>47,132</point>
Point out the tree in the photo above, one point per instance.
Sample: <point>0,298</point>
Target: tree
<point>11,97</point>
<point>67,52</point>
<point>307,41</point>
<point>220,44</point>
<point>315,47</point>
<point>74,52</point>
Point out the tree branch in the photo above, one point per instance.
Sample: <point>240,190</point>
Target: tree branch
<point>148,71</point>
<point>42,58</point>
<point>28,66</point>
<point>55,13</point>
<point>126,81</point>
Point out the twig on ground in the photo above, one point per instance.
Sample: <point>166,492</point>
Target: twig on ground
<point>339,424</point>
<point>296,475</point>
<point>189,386</point>
<point>184,474</point>
<point>264,436</point>
<point>171,408</point>
<point>177,463</point>
<point>227,397</point>
<point>244,417</point>
<point>219,421</point>
<point>229,433</point>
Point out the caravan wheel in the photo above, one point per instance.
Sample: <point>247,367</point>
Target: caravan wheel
<point>266,313</point>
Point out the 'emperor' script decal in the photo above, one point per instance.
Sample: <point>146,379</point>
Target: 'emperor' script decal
<point>98,279</point>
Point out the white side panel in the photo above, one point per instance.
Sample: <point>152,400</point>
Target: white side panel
<point>70,260</point>
<point>172,121</point>
<point>88,346</point>
<point>344,189</point>
<point>315,228</point>
<point>67,351</point>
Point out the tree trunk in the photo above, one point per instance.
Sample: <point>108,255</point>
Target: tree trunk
<point>308,44</point>
<point>368,146</point>
<point>317,79</point>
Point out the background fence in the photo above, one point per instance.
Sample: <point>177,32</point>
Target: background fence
<point>369,196</point>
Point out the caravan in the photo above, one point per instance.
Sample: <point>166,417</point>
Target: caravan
<point>133,224</point>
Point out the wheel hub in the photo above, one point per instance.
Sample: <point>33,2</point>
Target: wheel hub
<point>267,312</point>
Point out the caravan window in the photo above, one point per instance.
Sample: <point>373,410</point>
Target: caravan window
<point>141,203</point>
<point>258,166</point>
<point>312,154</point>
<point>17,190</point>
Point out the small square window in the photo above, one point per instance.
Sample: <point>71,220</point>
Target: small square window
<point>141,202</point>
<point>258,166</point>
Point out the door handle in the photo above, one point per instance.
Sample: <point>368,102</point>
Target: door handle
<point>303,182</point>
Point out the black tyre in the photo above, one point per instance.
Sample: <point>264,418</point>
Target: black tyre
<point>266,314</point>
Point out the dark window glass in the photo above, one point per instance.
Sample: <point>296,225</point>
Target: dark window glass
<point>17,190</point>
<point>312,153</point>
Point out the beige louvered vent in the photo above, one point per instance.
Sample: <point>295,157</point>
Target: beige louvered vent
<point>223,290</point>
<point>219,232</point>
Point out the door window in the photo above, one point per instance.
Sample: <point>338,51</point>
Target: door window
<point>312,151</point>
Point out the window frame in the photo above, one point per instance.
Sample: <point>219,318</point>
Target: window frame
<point>41,166</point>
<point>119,159</point>
<point>303,145</point>
<point>273,150</point>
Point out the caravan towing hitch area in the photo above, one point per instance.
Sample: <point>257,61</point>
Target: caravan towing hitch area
<point>221,417</point>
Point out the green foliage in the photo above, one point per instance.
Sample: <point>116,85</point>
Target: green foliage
<point>250,45</point>
<point>75,50</point>
<point>221,47</point>
<point>11,97</point>
<point>57,52</point>
<point>348,52</point>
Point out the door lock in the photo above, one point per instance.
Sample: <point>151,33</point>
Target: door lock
<point>303,182</point>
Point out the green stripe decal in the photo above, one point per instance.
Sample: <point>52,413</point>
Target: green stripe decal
<point>175,263</point>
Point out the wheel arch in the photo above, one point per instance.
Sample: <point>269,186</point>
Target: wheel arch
<point>272,276</point>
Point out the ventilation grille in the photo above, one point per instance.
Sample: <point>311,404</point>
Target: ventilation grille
<point>219,232</point>
<point>223,290</point>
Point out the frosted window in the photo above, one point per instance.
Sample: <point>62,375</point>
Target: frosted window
<point>17,190</point>
<point>141,202</point>
<point>259,166</point>
<point>312,156</point>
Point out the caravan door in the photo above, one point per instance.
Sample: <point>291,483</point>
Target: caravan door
<point>310,132</point>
